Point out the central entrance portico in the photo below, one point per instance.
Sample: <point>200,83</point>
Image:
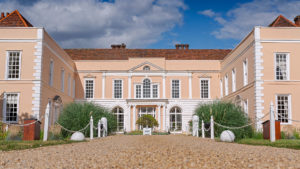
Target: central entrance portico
<point>154,107</point>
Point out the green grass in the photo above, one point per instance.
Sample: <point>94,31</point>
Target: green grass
<point>283,143</point>
<point>21,145</point>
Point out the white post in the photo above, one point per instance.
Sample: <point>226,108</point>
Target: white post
<point>46,122</point>
<point>212,132</point>
<point>91,128</point>
<point>195,125</point>
<point>99,128</point>
<point>272,123</point>
<point>203,131</point>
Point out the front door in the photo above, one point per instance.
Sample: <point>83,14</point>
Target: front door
<point>146,110</point>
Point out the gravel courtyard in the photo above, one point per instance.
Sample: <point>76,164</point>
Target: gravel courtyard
<point>151,152</point>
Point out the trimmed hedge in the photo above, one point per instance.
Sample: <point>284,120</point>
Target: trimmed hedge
<point>76,116</point>
<point>227,114</point>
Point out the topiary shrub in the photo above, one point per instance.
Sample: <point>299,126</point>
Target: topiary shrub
<point>76,116</point>
<point>147,121</point>
<point>227,114</point>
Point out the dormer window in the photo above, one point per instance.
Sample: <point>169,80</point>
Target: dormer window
<point>146,68</point>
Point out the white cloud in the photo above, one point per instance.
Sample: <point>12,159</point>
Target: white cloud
<point>216,16</point>
<point>241,20</point>
<point>97,24</point>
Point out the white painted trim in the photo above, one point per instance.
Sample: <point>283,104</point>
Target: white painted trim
<point>221,88</point>
<point>164,87</point>
<point>148,74</point>
<point>287,64</point>
<point>233,80</point>
<point>145,63</point>
<point>245,72</point>
<point>19,40</point>
<point>280,41</point>
<point>62,80</point>
<point>20,64</point>
<point>208,79</point>
<point>92,79</point>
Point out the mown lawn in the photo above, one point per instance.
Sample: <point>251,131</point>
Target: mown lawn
<point>283,143</point>
<point>20,145</point>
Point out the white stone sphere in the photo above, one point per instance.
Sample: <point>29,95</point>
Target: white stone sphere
<point>227,136</point>
<point>77,136</point>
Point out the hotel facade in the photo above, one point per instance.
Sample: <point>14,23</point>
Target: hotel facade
<point>166,83</point>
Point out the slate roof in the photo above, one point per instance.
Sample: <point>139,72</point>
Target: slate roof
<point>14,19</point>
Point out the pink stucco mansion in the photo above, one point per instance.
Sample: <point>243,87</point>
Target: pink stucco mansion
<point>166,83</point>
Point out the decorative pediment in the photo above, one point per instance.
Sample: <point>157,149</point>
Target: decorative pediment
<point>146,66</point>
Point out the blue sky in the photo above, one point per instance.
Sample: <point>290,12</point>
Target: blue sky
<point>215,24</point>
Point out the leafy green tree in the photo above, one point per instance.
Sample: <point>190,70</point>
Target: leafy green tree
<point>147,121</point>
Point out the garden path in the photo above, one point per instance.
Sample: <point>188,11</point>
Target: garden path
<point>173,151</point>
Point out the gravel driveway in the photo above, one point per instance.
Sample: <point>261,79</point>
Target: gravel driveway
<point>152,152</point>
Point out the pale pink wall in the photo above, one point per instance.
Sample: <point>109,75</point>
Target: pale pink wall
<point>234,60</point>
<point>18,33</point>
<point>271,86</point>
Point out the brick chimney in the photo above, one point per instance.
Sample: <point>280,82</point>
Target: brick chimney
<point>297,20</point>
<point>2,15</point>
<point>182,46</point>
<point>118,46</point>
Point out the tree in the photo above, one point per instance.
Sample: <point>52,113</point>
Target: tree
<point>147,121</point>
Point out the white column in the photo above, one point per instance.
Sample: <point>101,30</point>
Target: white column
<point>133,117</point>
<point>46,122</point>
<point>159,119</point>
<point>272,123</point>
<point>164,86</point>
<point>164,117</point>
<point>91,128</point>
<point>129,87</point>
<point>190,86</point>
<point>103,86</point>
<point>129,118</point>
<point>212,129</point>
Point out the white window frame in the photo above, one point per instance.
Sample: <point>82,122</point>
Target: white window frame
<point>158,95</point>
<point>289,108</point>
<point>233,80</point>
<point>226,85</point>
<point>287,65</point>
<point>62,80</point>
<point>208,79</point>
<point>221,88</point>
<point>91,79</point>
<point>4,107</point>
<point>246,106</point>
<point>172,89</point>
<point>74,88</point>
<point>136,84</point>
<point>51,71</point>
<point>69,84</point>
<point>113,89</point>
<point>6,67</point>
<point>245,72</point>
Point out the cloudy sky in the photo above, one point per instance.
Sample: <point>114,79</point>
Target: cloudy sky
<point>150,23</point>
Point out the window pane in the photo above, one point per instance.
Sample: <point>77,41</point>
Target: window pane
<point>138,91</point>
<point>146,88</point>
<point>175,119</point>
<point>13,65</point>
<point>281,67</point>
<point>204,89</point>
<point>89,89</point>
<point>283,108</point>
<point>11,107</point>
<point>118,89</point>
<point>155,91</point>
<point>175,89</point>
<point>119,114</point>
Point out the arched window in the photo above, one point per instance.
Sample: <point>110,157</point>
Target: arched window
<point>119,114</point>
<point>146,88</point>
<point>175,119</point>
<point>146,68</point>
